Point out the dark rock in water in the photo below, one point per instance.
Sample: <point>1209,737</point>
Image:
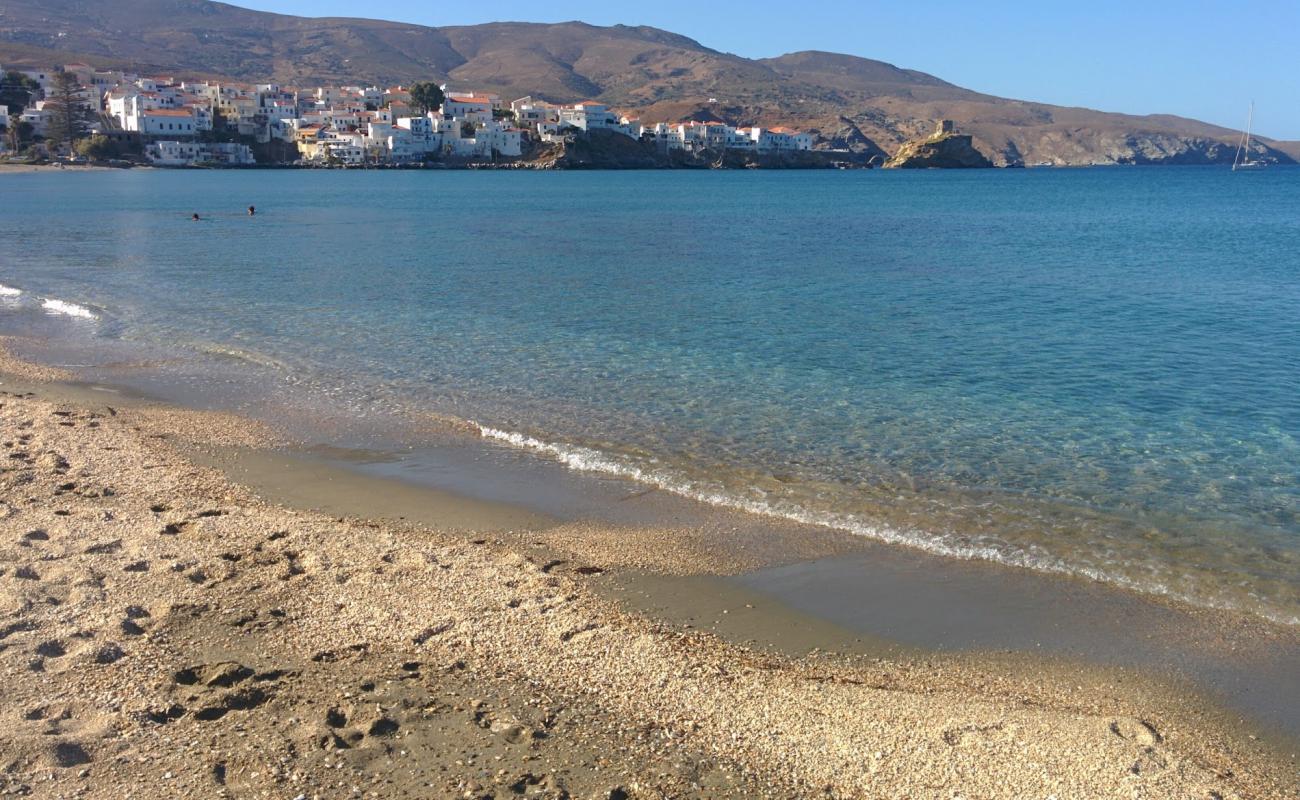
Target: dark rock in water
<point>944,149</point>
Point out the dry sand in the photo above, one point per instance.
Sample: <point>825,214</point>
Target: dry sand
<point>165,632</point>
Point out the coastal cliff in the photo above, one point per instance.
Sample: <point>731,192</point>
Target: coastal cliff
<point>1082,148</point>
<point>944,149</point>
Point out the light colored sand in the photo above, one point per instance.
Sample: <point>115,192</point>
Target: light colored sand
<point>163,631</point>
<point>10,168</point>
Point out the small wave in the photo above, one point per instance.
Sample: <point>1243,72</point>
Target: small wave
<point>9,291</point>
<point>53,306</point>
<point>245,355</point>
<point>586,459</point>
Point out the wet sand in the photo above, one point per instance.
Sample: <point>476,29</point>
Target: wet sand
<point>167,628</point>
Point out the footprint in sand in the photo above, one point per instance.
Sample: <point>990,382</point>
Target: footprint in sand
<point>109,654</point>
<point>970,734</point>
<point>52,462</point>
<point>218,689</point>
<point>341,736</point>
<point>52,648</point>
<point>69,754</point>
<point>1136,730</point>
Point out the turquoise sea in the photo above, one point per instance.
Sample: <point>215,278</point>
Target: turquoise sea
<point>1089,371</point>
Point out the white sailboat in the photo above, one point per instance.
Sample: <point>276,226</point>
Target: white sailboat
<point>1242,160</point>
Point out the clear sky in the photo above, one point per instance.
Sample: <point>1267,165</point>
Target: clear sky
<point>1194,58</point>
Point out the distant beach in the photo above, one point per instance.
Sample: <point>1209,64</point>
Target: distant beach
<point>11,168</point>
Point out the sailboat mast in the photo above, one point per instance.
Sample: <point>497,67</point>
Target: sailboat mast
<point>1243,144</point>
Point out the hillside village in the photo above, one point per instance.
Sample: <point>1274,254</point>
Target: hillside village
<point>181,123</point>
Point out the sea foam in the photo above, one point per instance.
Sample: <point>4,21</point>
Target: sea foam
<point>586,459</point>
<point>9,291</point>
<point>55,306</point>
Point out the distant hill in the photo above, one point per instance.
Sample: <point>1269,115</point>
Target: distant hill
<point>850,102</point>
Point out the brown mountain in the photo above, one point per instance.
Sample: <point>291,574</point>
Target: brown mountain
<point>850,102</point>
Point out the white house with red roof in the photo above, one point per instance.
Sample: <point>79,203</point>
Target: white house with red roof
<point>169,122</point>
<point>780,139</point>
<point>467,106</point>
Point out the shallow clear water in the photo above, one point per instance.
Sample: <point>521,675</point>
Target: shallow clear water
<point>1090,371</point>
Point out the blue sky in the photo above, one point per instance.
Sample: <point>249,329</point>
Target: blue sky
<point>1199,59</point>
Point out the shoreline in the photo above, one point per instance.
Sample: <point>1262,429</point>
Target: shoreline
<point>994,691</point>
<point>456,481</point>
<point>539,166</point>
<point>454,454</point>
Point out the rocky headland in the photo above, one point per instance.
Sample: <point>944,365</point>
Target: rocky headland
<point>943,149</point>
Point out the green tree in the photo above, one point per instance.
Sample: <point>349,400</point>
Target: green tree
<point>18,134</point>
<point>426,96</point>
<point>17,91</point>
<point>96,148</point>
<point>69,113</point>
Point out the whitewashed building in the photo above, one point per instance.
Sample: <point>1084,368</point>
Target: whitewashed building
<point>468,107</point>
<point>587,115</point>
<point>169,122</point>
<point>530,113</point>
<point>176,153</point>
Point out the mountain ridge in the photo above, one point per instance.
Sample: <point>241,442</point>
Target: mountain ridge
<point>849,102</point>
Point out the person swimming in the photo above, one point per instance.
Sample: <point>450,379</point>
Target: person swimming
<point>195,216</point>
<point>251,211</point>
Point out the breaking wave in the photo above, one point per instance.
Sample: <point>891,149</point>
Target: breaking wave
<point>55,306</point>
<point>586,459</point>
<point>9,291</point>
<point>242,354</point>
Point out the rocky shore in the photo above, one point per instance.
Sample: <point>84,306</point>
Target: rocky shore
<point>944,149</point>
<point>598,149</point>
<point>164,631</point>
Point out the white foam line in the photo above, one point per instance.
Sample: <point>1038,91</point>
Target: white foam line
<point>585,459</point>
<point>54,306</point>
<point>9,291</point>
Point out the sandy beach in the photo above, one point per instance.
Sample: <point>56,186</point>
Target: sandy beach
<point>10,168</point>
<point>166,630</point>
